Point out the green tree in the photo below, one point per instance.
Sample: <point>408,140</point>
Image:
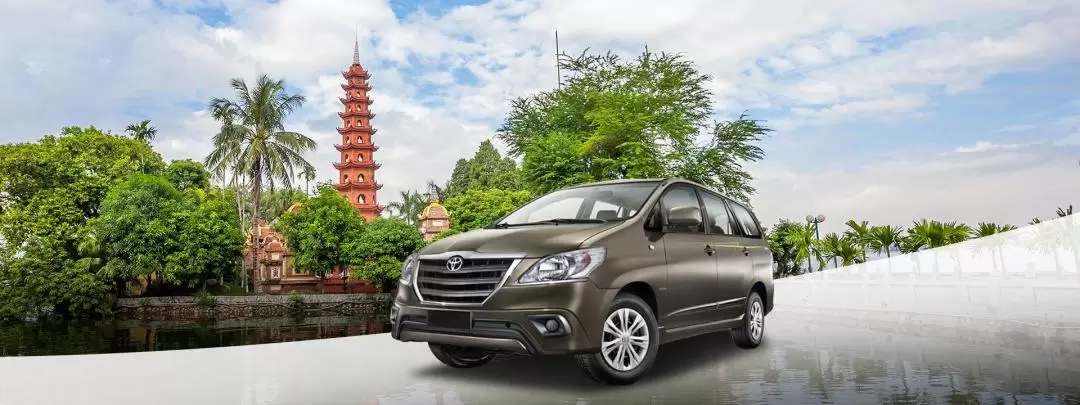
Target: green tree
<point>859,233</point>
<point>49,190</point>
<point>142,131</point>
<point>187,173</point>
<point>377,255</point>
<point>410,206</point>
<point>884,238</point>
<point>801,237</point>
<point>253,141</point>
<point>320,232</point>
<point>138,227</point>
<point>646,117</point>
<point>843,250</point>
<point>477,209</point>
<point>990,228</point>
<point>486,170</point>
<point>785,254</point>
<point>210,242</point>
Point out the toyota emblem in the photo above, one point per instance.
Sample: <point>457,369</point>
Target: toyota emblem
<point>455,263</point>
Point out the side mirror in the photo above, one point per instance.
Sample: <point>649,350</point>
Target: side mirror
<point>688,216</point>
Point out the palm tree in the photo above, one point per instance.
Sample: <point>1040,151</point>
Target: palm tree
<point>884,238</point>
<point>801,236</point>
<point>308,174</point>
<point>142,131</point>
<point>409,208</point>
<point>860,235</point>
<point>830,246</point>
<point>990,228</point>
<point>253,141</point>
<point>1064,212</point>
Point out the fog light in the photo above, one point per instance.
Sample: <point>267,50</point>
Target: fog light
<point>551,325</point>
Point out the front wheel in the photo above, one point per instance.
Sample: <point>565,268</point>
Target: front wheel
<point>748,336</point>
<point>460,357</point>
<point>628,344</point>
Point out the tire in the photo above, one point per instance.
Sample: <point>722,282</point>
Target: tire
<point>460,357</point>
<point>752,332</point>
<point>600,367</point>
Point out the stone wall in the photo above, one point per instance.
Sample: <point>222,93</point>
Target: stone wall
<point>251,306</point>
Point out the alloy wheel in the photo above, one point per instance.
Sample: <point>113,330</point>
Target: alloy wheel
<point>757,320</point>
<point>626,339</point>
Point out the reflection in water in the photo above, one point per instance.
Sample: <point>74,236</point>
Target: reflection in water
<point>93,337</point>
<point>803,362</point>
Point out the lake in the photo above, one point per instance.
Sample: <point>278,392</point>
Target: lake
<point>66,337</point>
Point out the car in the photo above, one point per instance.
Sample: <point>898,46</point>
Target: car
<point>606,272</point>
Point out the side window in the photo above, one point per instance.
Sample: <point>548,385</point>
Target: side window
<point>719,220</point>
<point>681,199</point>
<point>742,215</point>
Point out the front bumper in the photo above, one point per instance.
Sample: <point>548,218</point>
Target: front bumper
<point>512,320</point>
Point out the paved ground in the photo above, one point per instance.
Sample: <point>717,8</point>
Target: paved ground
<point>808,358</point>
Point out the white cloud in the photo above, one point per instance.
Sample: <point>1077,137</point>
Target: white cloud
<point>111,63</point>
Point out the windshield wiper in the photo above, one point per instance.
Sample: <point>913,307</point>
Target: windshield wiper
<point>554,221</point>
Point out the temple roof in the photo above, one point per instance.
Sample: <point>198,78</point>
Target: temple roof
<point>435,211</point>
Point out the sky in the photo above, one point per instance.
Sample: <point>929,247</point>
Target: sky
<point>887,112</point>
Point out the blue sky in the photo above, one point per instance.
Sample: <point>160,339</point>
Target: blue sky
<point>884,112</point>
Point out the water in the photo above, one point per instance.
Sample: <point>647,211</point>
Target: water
<point>67,337</point>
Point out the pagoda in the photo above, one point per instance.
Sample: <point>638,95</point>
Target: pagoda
<point>356,167</point>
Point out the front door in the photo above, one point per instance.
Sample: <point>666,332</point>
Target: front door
<point>735,263</point>
<point>691,265</point>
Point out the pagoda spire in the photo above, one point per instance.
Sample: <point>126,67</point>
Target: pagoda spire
<point>357,166</point>
<point>356,50</point>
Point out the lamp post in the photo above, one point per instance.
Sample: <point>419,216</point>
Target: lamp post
<point>815,220</point>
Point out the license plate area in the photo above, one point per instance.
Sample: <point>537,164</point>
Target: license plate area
<point>450,319</point>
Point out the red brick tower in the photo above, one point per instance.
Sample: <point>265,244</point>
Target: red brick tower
<point>356,169</point>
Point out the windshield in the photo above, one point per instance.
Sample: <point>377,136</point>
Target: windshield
<point>599,203</point>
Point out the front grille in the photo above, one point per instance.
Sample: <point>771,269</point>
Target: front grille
<point>471,284</point>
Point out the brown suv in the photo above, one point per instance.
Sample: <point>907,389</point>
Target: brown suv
<point>605,271</point>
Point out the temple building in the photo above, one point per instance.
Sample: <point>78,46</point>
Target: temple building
<point>356,168</point>
<point>356,181</point>
<point>434,219</point>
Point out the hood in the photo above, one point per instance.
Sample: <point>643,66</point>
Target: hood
<point>534,241</point>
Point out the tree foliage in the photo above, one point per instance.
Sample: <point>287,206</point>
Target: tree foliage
<point>615,118</point>
<point>320,232</point>
<point>188,174</point>
<point>377,254</point>
<point>210,242</point>
<point>49,191</point>
<point>138,228</point>
<point>477,209</point>
<point>487,169</point>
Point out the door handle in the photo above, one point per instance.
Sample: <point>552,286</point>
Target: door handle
<point>709,250</point>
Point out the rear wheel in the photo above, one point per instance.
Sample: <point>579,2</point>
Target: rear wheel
<point>750,334</point>
<point>628,343</point>
<point>460,357</point>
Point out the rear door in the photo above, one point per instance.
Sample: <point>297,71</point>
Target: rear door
<point>753,238</point>
<point>734,261</point>
<point>691,265</point>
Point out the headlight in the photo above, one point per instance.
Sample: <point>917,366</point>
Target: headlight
<point>408,268</point>
<point>574,265</point>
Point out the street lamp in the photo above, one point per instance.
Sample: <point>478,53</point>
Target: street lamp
<point>815,220</point>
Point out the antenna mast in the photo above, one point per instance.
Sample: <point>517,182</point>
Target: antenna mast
<point>558,66</point>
